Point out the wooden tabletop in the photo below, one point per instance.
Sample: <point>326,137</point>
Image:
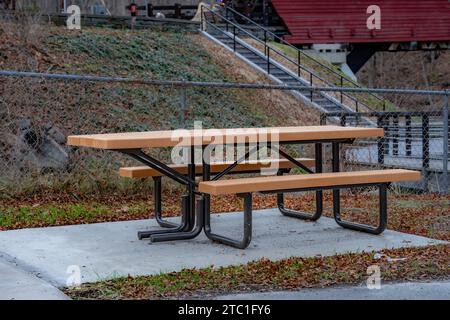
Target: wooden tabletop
<point>158,139</point>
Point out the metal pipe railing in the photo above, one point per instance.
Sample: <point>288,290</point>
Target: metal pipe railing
<point>266,31</point>
<point>229,85</point>
<point>267,50</point>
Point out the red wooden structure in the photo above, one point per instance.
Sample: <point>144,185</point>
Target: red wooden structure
<point>345,21</point>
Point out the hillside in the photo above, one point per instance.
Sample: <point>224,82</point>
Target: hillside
<point>53,109</point>
<point>413,70</point>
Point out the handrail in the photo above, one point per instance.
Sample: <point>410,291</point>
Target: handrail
<point>267,31</point>
<point>267,49</point>
<point>288,44</point>
<point>199,84</point>
<point>273,49</point>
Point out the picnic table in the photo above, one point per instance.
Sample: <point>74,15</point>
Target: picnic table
<point>196,202</point>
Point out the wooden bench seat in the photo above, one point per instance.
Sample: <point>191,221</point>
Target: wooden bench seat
<point>249,166</point>
<point>318,181</point>
<point>322,180</point>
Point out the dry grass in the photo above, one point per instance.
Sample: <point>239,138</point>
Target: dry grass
<point>265,275</point>
<point>425,215</point>
<point>415,70</point>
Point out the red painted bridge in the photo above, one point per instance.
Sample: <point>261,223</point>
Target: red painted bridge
<point>345,21</point>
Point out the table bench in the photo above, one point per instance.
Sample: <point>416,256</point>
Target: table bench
<point>196,201</point>
<point>142,172</point>
<point>318,181</point>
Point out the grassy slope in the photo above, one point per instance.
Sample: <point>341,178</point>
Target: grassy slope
<point>77,108</point>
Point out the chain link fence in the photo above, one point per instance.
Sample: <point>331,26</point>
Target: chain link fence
<point>413,140</point>
<point>38,112</point>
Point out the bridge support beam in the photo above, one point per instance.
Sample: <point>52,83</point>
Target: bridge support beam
<point>361,53</point>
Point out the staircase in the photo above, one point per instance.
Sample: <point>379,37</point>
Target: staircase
<point>233,36</point>
<point>279,73</point>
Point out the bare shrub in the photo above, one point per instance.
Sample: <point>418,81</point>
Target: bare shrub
<point>24,24</point>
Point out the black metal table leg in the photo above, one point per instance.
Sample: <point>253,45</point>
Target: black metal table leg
<point>188,202</point>
<point>180,228</point>
<point>365,228</point>
<point>247,235</point>
<point>157,198</point>
<point>319,194</point>
<point>335,150</point>
<point>191,190</point>
<point>240,244</point>
<point>187,235</point>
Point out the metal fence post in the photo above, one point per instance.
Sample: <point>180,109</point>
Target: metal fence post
<point>343,120</point>
<point>426,150</point>
<point>408,141</point>
<point>445,114</point>
<point>395,135</point>
<point>182,107</point>
<point>226,19</point>
<point>202,26</point>
<point>323,119</point>
<point>380,141</point>
<point>234,38</point>
<point>387,140</point>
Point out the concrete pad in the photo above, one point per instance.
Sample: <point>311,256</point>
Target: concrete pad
<point>392,291</point>
<point>16,284</point>
<point>109,250</point>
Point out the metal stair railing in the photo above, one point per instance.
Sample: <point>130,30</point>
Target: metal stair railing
<point>339,77</point>
<point>267,53</point>
<point>270,51</point>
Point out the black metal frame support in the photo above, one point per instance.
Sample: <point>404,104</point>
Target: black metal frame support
<point>319,194</point>
<point>383,216</point>
<point>292,160</point>
<point>235,164</point>
<point>184,226</point>
<point>247,233</point>
<point>185,235</point>
<point>187,203</point>
<point>196,216</point>
<point>157,165</point>
<point>157,198</point>
<point>335,150</point>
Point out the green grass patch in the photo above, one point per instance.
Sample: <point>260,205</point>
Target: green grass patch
<point>50,215</point>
